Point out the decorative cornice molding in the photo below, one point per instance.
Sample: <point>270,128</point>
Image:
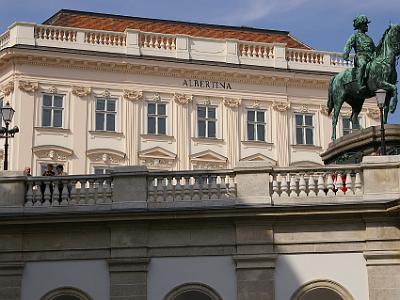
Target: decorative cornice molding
<point>28,86</point>
<point>281,106</point>
<point>182,98</point>
<point>168,71</point>
<point>81,91</point>
<point>374,114</point>
<point>231,102</point>
<point>8,88</point>
<point>133,95</point>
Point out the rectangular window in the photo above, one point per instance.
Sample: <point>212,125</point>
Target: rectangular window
<point>101,170</point>
<point>256,125</point>
<point>156,118</point>
<point>346,125</point>
<point>106,113</point>
<point>52,110</point>
<point>206,121</point>
<point>304,129</point>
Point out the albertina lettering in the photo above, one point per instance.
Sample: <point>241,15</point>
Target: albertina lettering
<point>207,84</point>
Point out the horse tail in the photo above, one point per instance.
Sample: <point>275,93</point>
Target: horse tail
<point>330,103</point>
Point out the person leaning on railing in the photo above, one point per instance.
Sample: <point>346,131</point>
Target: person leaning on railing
<point>48,172</point>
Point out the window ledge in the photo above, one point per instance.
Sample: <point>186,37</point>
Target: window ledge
<point>158,137</point>
<point>95,133</point>
<point>52,130</point>
<point>306,147</point>
<point>258,144</point>
<point>209,141</point>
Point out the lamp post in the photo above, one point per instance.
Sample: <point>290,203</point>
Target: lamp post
<point>380,100</point>
<point>7,113</point>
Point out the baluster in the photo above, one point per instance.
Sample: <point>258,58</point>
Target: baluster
<point>248,54</point>
<point>29,201</point>
<point>80,193</point>
<point>311,187</point>
<point>242,50</point>
<point>223,190</point>
<point>100,191</point>
<point>107,190</point>
<point>173,44</point>
<point>91,199</point>
<point>339,185</point>
<point>271,53</point>
<point>156,42</point>
<point>179,190</point>
<point>73,193</point>
<point>259,52</point>
<point>321,186</point>
<point>162,44</point>
<point>330,186</point>
<point>168,43</point>
<point>169,190</point>
<point>231,187</point>
<point>187,195</point>
<point>64,192</point>
<point>196,188</point>
<point>151,193</point>
<point>204,187</point>
<point>275,188</point>
<point>358,185</point>
<point>284,187</point>
<point>349,185</point>
<point>213,187</point>
<point>302,187</point>
<point>293,186</point>
<point>159,189</point>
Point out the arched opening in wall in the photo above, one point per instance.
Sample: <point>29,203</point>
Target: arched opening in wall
<point>322,289</point>
<point>193,291</point>
<point>66,293</point>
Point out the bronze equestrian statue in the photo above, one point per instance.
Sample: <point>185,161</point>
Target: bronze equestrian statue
<point>374,68</point>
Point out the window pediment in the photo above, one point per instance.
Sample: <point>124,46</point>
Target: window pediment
<point>157,158</point>
<point>259,157</point>
<point>108,156</point>
<point>53,152</point>
<point>208,160</point>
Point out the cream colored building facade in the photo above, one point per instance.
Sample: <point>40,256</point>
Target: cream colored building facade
<point>92,99</point>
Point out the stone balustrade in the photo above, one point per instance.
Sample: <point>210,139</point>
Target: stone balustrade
<point>250,184</point>
<point>134,42</point>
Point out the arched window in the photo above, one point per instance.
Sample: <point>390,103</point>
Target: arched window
<point>322,289</point>
<point>193,291</point>
<point>66,293</point>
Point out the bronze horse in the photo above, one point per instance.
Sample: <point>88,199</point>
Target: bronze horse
<point>381,74</point>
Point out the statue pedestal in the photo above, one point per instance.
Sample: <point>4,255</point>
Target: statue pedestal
<point>352,147</point>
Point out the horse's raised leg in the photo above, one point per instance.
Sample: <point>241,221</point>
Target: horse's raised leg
<point>390,89</point>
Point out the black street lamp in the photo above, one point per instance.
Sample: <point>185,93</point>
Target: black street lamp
<point>380,99</point>
<point>7,113</point>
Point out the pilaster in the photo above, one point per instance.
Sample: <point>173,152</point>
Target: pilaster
<point>11,280</point>
<point>255,276</point>
<point>133,115</point>
<point>182,130</point>
<point>232,133</point>
<point>128,278</point>
<point>282,133</point>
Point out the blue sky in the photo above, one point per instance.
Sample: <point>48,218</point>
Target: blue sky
<point>322,24</point>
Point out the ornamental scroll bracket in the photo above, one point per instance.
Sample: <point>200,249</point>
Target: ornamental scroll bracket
<point>8,88</point>
<point>81,91</point>
<point>231,102</point>
<point>133,95</point>
<point>28,86</point>
<point>182,98</point>
<point>281,106</point>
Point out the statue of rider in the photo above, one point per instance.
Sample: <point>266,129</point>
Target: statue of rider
<point>364,48</point>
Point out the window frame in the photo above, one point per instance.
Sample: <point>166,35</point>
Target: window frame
<point>52,109</point>
<point>303,126</point>
<point>105,112</point>
<point>66,291</point>
<point>206,119</point>
<point>255,124</point>
<point>156,116</point>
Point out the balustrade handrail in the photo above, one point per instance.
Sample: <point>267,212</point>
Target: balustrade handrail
<point>344,167</point>
<point>68,177</point>
<point>79,29</point>
<point>192,173</point>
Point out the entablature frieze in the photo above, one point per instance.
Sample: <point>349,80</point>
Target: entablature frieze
<point>252,76</point>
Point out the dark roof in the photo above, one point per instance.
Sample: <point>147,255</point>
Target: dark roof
<point>100,21</point>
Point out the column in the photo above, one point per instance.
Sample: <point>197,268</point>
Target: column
<point>128,278</point>
<point>79,106</point>
<point>10,280</point>
<point>255,276</point>
<point>232,132</point>
<point>282,133</point>
<point>182,130</point>
<point>133,118</point>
